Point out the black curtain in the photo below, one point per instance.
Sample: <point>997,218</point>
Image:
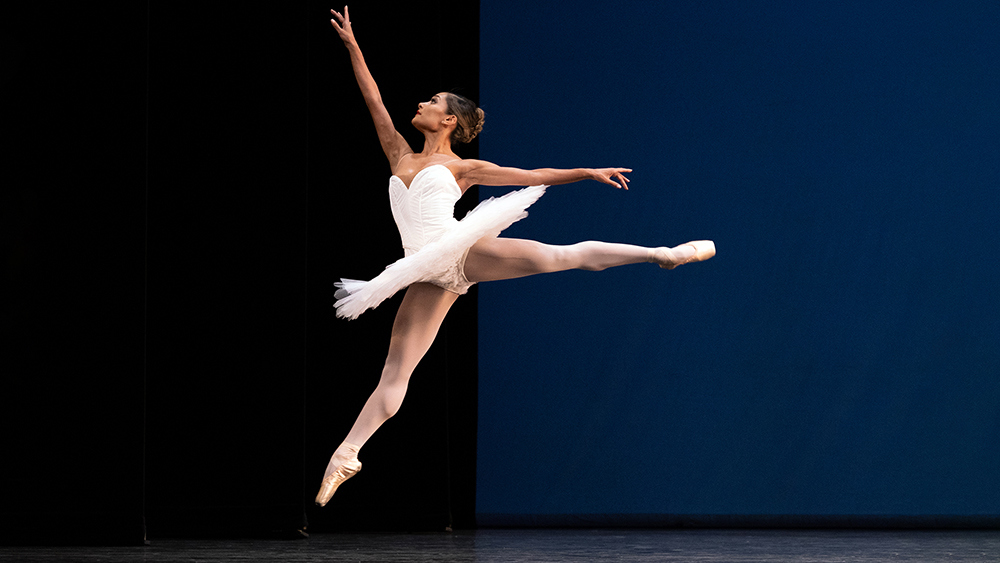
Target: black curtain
<point>72,314</point>
<point>226,268</point>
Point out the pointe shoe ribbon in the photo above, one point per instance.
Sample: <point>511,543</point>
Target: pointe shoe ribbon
<point>703,250</point>
<point>346,470</point>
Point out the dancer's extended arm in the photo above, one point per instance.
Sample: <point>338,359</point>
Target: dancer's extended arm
<point>473,172</point>
<point>393,144</point>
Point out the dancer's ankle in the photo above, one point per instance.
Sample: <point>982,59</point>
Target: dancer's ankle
<point>677,254</point>
<point>348,447</point>
<point>344,453</point>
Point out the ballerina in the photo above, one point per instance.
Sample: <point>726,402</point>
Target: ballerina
<point>444,257</point>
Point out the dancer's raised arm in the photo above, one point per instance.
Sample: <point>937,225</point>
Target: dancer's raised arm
<point>472,172</point>
<point>393,144</point>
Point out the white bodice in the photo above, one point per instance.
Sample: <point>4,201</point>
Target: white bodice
<point>426,210</point>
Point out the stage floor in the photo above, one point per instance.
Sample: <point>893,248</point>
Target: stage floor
<point>558,545</point>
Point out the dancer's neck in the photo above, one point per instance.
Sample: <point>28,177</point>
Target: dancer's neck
<point>437,143</point>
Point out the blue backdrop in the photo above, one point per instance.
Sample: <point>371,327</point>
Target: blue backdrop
<point>839,356</point>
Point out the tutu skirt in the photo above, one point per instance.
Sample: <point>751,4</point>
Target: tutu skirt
<point>436,258</point>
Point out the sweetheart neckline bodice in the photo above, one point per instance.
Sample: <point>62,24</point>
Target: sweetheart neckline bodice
<point>420,172</point>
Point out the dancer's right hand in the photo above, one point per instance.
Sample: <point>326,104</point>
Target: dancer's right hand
<point>342,23</point>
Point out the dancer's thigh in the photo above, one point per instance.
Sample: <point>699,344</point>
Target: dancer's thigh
<point>418,319</point>
<point>494,259</point>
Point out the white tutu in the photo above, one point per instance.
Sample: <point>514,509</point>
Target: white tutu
<point>429,263</point>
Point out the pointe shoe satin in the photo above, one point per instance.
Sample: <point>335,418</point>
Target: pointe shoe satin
<point>703,250</point>
<point>346,470</point>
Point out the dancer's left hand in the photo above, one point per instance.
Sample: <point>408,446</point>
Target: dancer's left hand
<point>609,175</point>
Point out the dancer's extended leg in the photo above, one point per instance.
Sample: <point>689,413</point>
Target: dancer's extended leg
<point>417,322</point>
<point>506,258</point>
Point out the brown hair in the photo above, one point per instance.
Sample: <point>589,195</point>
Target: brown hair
<point>470,118</point>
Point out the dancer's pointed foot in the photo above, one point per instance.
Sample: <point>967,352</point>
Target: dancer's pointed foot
<point>694,251</point>
<point>343,465</point>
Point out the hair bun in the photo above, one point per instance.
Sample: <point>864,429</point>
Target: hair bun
<point>476,126</point>
<point>470,118</point>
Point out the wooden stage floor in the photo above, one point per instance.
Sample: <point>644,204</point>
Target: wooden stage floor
<point>548,545</point>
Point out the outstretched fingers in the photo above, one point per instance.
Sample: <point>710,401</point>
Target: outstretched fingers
<point>610,175</point>
<point>341,19</point>
<point>342,23</point>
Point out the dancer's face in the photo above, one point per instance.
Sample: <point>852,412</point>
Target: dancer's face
<point>433,115</point>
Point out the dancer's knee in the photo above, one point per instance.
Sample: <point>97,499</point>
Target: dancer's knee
<point>570,257</point>
<point>395,374</point>
<point>582,252</point>
<point>392,387</point>
<point>389,399</point>
<point>391,407</point>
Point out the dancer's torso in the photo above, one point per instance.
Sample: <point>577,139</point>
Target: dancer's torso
<point>425,210</point>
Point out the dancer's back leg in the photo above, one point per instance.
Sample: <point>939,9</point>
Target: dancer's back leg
<point>493,259</point>
<point>417,322</point>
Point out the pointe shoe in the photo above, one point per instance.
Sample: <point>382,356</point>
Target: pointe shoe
<point>346,470</point>
<point>703,250</point>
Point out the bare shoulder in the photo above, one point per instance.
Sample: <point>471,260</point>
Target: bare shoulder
<point>403,160</point>
<point>465,171</point>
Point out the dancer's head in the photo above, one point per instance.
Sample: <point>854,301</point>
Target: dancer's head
<point>450,112</point>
